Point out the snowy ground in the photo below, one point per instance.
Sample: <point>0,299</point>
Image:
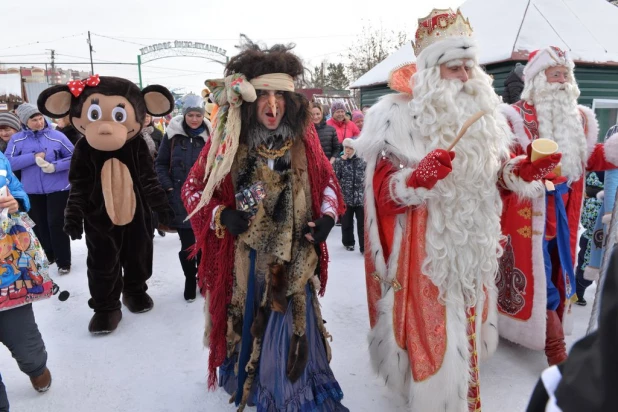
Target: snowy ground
<point>155,361</point>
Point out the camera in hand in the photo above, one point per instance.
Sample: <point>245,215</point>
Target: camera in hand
<point>248,200</point>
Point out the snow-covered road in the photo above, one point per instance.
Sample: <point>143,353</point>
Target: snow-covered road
<point>155,361</point>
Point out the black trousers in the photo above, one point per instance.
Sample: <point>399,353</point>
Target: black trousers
<point>347,226</point>
<point>47,212</point>
<point>113,251</point>
<point>580,283</point>
<point>187,239</point>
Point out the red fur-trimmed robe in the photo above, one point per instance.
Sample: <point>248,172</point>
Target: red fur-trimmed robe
<point>522,296</point>
<point>215,273</point>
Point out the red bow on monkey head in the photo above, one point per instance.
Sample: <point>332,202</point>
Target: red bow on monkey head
<point>76,87</point>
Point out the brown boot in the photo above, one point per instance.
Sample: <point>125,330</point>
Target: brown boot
<point>555,348</point>
<point>42,382</point>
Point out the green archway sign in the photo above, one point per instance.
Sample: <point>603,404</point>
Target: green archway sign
<point>179,48</point>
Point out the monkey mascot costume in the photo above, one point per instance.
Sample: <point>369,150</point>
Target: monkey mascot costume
<point>113,188</point>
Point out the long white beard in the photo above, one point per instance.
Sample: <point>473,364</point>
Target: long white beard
<point>560,120</point>
<point>463,229</point>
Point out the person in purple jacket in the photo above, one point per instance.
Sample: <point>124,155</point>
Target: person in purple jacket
<point>43,155</point>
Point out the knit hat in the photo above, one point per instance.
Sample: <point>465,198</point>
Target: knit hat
<point>357,115</point>
<point>25,111</point>
<point>192,103</point>
<point>541,60</point>
<point>519,70</point>
<point>336,105</point>
<point>10,120</point>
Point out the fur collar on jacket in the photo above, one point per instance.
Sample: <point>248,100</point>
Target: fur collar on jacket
<point>175,128</point>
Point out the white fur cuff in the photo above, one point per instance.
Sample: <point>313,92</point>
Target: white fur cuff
<point>529,190</point>
<point>611,149</point>
<point>402,194</point>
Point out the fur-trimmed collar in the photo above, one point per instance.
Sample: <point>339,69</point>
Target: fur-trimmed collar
<point>175,128</point>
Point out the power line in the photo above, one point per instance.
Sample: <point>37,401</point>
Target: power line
<point>117,39</point>
<point>41,42</point>
<point>226,39</point>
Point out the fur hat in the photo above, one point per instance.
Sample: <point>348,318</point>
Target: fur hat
<point>543,59</point>
<point>336,105</point>
<point>443,36</point>
<point>10,120</point>
<point>25,111</point>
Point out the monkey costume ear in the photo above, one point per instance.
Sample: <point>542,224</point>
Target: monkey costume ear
<point>159,100</point>
<point>55,101</point>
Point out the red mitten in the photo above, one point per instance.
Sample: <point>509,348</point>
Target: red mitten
<point>433,167</point>
<point>531,171</point>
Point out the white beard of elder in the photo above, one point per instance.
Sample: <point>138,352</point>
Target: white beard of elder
<point>463,228</point>
<point>560,120</point>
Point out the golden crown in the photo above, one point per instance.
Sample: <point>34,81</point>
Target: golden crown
<point>439,25</point>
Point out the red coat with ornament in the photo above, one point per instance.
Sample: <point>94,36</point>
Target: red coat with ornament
<point>522,295</point>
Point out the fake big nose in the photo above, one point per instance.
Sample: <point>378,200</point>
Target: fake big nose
<point>272,102</point>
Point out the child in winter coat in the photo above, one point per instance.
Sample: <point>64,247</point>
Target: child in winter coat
<point>350,170</point>
<point>23,279</point>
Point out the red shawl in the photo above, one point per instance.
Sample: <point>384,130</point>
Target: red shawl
<point>215,272</point>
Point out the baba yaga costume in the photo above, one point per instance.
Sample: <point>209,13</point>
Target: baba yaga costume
<point>433,237</point>
<point>113,188</point>
<point>262,277</point>
<point>537,279</point>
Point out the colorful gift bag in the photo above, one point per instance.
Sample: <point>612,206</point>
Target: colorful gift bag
<point>24,269</point>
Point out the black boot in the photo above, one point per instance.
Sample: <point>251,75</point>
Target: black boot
<point>189,267</point>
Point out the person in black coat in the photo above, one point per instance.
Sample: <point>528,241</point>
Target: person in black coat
<point>67,129</point>
<point>180,148</point>
<point>326,133</point>
<point>514,85</point>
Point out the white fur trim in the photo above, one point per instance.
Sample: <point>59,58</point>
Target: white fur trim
<point>591,274</point>
<point>544,59</point>
<point>405,195</point>
<point>487,339</point>
<point>610,149</point>
<point>592,134</point>
<point>208,320</point>
<point>517,124</point>
<point>531,333</point>
<point>516,184</point>
<point>445,50</point>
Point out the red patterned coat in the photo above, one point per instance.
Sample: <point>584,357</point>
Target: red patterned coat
<point>522,296</point>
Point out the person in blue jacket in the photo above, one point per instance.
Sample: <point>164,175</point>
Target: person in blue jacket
<point>18,329</point>
<point>43,155</point>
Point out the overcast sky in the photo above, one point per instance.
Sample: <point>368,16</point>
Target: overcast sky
<point>321,29</point>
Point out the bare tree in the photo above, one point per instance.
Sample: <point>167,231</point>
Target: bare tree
<point>372,46</point>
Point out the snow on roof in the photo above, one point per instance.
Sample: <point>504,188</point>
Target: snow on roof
<point>511,29</point>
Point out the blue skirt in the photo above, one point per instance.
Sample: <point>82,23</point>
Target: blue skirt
<point>316,390</point>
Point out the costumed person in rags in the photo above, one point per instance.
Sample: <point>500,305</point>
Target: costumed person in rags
<point>18,243</point>
<point>537,279</point>
<point>183,142</point>
<point>587,380</point>
<point>433,237</point>
<point>113,188</point>
<point>262,199</point>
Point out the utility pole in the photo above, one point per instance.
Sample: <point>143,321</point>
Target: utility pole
<point>90,47</point>
<point>53,65</point>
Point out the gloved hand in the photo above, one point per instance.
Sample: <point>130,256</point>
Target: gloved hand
<point>165,215</point>
<point>45,166</point>
<point>73,227</point>
<point>318,230</point>
<point>433,167</point>
<point>235,221</point>
<point>530,171</point>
